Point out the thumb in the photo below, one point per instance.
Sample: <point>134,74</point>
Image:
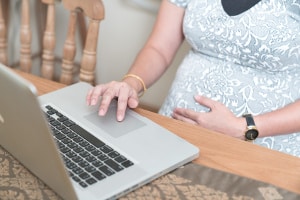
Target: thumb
<point>133,102</point>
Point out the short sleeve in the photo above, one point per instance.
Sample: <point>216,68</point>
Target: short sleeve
<point>180,3</point>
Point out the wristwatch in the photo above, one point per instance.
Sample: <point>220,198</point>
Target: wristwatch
<point>251,132</point>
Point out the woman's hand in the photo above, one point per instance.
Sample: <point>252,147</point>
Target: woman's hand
<point>127,96</point>
<point>219,119</point>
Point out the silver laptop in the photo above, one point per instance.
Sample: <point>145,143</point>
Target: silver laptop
<point>77,153</point>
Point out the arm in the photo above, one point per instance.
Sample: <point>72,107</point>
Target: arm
<point>282,121</point>
<point>151,62</point>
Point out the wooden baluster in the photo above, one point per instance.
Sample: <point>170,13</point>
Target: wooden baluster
<point>94,10</point>
<point>69,51</point>
<point>3,33</point>
<point>25,37</point>
<point>49,42</point>
<point>88,61</point>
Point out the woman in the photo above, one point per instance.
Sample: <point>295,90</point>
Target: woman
<point>245,58</point>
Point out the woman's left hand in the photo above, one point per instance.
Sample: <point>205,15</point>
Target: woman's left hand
<point>219,118</point>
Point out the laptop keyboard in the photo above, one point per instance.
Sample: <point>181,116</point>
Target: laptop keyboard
<point>88,159</point>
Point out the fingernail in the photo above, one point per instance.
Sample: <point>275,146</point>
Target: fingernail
<point>119,117</point>
<point>197,96</point>
<point>101,112</point>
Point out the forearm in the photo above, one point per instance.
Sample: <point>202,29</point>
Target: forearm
<point>151,63</point>
<point>282,121</point>
<point>149,66</point>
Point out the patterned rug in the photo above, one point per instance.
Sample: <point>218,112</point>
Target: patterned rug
<point>192,181</point>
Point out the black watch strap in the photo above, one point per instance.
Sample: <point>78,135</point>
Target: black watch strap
<point>249,120</point>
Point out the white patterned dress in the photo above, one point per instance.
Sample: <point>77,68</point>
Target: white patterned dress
<point>249,62</point>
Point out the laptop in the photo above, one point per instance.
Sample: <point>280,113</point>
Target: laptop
<point>77,153</point>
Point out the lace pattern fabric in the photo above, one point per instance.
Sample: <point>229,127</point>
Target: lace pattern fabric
<point>249,62</point>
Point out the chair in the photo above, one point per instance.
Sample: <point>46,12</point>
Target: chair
<point>25,35</point>
<point>78,9</point>
<point>94,10</point>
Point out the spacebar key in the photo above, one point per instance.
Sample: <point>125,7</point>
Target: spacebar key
<point>86,135</point>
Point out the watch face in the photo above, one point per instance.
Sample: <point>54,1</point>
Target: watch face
<point>251,134</point>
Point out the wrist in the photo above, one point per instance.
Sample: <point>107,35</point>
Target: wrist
<point>240,128</point>
<point>136,82</point>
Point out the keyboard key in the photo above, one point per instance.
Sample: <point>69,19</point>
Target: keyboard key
<point>51,112</point>
<point>62,118</point>
<point>84,143</point>
<point>84,154</point>
<point>83,184</point>
<point>106,149</point>
<point>77,159</point>
<point>68,123</point>
<point>97,163</point>
<point>70,133</point>
<point>98,175</point>
<point>60,127</point>
<point>90,169</point>
<point>106,170</point>
<point>77,170</point>
<point>66,140</point>
<point>120,159</point>
<point>64,149</point>
<point>60,136</point>
<point>91,181</point>
<point>86,135</point>
<point>112,164</point>
<point>127,163</point>
<point>72,145</point>
<point>90,148</point>
<point>90,158</point>
<point>96,152</point>
<point>84,175</point>
<point>55,123</point>
<point>78,149</point>
<point>103,157</point>
<point>83,164</point>
<point>71,154</point>
<point>78,139</point>
<point>75,178</point>
<point>113,154</point>
<point>71,165</point>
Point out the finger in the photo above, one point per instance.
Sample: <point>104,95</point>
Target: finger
<point>180,117</point>
<point>186,113</point>
<point>207,102</point>
<point>93,95</point>
<point>133,100</point>
<point>123,96</point>
<point>107,97</point>
<point>89,97</point>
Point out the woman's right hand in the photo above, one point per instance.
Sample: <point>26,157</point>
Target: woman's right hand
<point>124,92</point>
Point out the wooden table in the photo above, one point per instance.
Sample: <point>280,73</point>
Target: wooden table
<point>219,151</point>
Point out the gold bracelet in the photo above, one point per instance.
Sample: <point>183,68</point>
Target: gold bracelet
<point>139,79</point>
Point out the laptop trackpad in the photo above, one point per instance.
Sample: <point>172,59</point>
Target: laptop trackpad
<point>111,126</point>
